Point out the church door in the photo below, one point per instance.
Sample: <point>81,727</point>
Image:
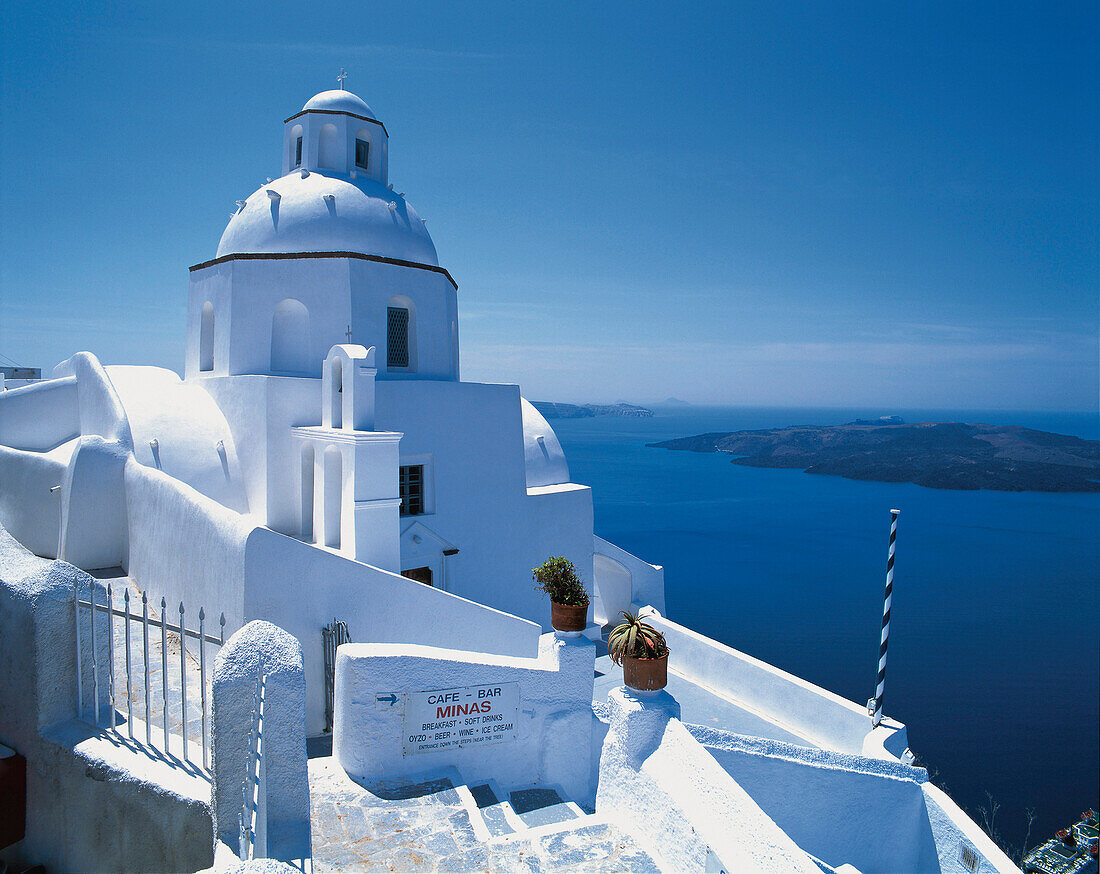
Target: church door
<point>420,574</point>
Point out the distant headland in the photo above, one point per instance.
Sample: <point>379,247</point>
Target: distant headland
<point>551,410</point>
<point>938,455</point>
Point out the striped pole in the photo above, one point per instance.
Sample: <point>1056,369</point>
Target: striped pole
<point>876,718</point>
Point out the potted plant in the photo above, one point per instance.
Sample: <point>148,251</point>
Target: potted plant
<point>557,577</point>
<point>641,651</point>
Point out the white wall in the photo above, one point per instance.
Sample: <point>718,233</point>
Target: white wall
<point>194,443</point>
<point>876,815</point>
<point>28,509</point>
<point>435,304</point>
<point>656,778</point>
<point>336,292</point>
<point>185,546</point>
<point>41,416</point>
<point>302,588</point>
<point>829,720</point>
<point>843,809</point>
<point>553,726</point>
<point>261,412</point>
<point>473,436</point>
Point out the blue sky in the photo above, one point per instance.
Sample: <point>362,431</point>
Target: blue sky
<point>752,203</point>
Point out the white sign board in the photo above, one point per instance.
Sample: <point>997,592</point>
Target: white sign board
<point>470,716</point>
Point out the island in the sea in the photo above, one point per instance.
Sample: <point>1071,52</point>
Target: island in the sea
<point>939,455</point>
<point>551,410</point>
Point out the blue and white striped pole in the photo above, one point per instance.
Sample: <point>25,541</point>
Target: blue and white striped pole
<point>876,702</point>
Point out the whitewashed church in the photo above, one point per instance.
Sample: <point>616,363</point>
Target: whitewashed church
<point>322,460</point>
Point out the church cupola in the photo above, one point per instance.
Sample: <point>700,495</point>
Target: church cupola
<point>336,132</point>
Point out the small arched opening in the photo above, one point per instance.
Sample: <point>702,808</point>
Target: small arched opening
<point>296,146</point>
<point>328,150</point>
<point>613,587</point>
<point>206,337</point>
<point>333,466</point>
<point>290,351</point>
<point>308,458</point>
<point>336,394</point>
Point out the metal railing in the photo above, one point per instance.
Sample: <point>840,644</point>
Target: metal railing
<point>332,638</point>
<point>253,819</point>
<point>108,612</point>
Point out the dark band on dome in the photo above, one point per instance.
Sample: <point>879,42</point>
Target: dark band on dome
<point>339,112</point>
<point>282,256</point>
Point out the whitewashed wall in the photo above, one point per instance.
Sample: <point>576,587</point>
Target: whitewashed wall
<point>817,714</point>
<point>656,778</point>
<point>302,588</point>
<point>553,726</point>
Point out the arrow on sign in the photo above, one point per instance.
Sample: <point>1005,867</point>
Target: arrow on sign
<point>391,698</point>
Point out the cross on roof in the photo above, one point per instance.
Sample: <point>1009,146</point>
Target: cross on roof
<point>341,76</point>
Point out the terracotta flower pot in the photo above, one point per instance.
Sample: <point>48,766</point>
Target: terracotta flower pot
<point>645,675</point>
<point>567,617</point>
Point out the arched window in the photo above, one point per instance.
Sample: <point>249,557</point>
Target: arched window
<point>333,495</point>
<point>400,334</point>
<point>362,150</point>
<point>296,146</point>
<point>290,338</point>
<point>328,153</point>
<point>336,394</point>
<point>206,337</point>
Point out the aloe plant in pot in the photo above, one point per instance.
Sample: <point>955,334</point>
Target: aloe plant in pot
<point>641,651</point>
<point>558,578</point>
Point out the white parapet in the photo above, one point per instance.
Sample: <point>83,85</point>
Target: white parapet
<point>656,778</point>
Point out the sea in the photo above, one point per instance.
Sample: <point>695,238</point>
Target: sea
<point>994,651</point>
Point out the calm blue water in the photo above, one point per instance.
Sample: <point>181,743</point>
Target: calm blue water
<point>994,641</point>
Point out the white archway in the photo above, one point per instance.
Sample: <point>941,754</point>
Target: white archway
<point>336,394</point>
<point>308,497</point>
<point>334,493</point>
<point>206,337</point>
<point>614,588</point>
<point>290,352</point>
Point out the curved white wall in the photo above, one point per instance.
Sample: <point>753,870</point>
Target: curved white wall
<point>542,453</point>
<point>193,440</point>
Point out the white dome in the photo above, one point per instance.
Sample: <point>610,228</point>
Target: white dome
<point>362,216</point>
<point>338,101</point>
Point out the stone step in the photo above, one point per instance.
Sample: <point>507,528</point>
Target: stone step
<point>495,811</point>
<point>541,806</point>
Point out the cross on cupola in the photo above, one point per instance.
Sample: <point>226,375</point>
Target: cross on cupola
<point>341,76</point>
